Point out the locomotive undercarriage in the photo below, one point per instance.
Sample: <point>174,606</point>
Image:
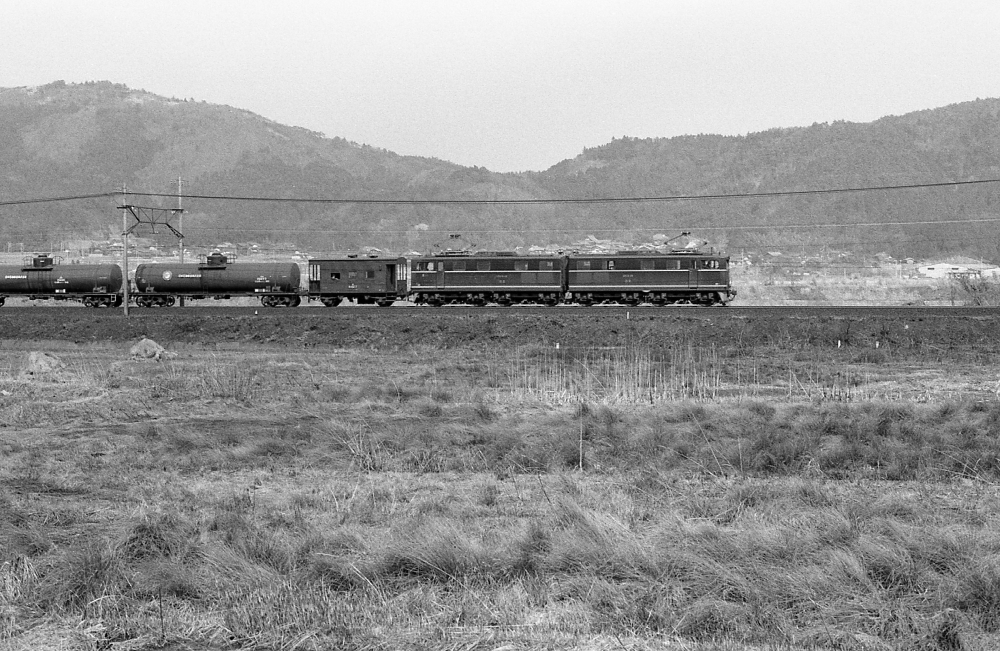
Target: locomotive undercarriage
<point>645,298</point>
<point>481,299</point>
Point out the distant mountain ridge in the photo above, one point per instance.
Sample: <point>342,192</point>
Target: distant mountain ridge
<point>68,139</point>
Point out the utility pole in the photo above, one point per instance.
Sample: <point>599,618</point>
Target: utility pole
<point>125,286</point>
<point>180,210</point>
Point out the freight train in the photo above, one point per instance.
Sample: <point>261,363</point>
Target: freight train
<point>501,278</point>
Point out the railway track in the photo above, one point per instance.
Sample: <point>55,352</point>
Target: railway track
<point>52,312</point>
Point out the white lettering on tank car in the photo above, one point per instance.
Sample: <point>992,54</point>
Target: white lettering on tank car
<point>13,277</point>
<point>189,275</point>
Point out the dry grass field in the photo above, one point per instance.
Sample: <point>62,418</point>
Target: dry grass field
<point>757,493</point>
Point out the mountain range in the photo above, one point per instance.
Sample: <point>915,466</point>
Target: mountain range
<point>299,188</point>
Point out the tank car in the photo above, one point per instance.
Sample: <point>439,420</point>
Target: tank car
<point>39,278</point>
<point>504,278</point>
<point>649,277</point>
<point>363,280</point>
<point>159,285</point>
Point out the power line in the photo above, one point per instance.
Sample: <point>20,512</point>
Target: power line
<point>620,229</point>
<point>23,202</point>
<point>595,200</point>
<point>510,202</point>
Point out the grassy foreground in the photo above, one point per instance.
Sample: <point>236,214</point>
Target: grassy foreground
<point>698,498</point>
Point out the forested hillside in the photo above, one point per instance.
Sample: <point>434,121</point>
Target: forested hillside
<point>72,139</point>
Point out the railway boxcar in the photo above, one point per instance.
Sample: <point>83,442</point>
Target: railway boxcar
<point>363,280</point>
<point>641,277</point>
<point>486,277</point>
<point>276,283</point>
<point>39,278</point>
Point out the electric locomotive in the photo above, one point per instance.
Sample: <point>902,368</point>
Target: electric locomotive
<point>504,278</point>
<point>649,277</point>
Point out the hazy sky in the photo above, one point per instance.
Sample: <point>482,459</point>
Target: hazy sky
<point>513,84</point>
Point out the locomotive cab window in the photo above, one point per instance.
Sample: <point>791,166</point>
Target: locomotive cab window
<point>546,265</point>
<point>520,265</point>
<point>352,274</point>
<point>370,274</point>
<point>611,265</point>
<point>646,264</point>
<point>335,275</point>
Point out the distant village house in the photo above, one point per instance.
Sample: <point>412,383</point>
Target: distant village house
<point>966,267</point>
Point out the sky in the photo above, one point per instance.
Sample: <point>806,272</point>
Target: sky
<point>516,85</point>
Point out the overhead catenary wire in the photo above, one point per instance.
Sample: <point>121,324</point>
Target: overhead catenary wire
<point>570,200</point>
<point>77,197</point>
<point>511,202</point>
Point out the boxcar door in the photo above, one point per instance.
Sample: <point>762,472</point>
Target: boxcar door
<point>390,278</point>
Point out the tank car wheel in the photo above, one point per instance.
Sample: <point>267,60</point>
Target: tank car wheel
<point>295,301</point>
<point>386,303</point>
<point>170,301</point>
<point>331,302</point>
<point>3,299</point>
